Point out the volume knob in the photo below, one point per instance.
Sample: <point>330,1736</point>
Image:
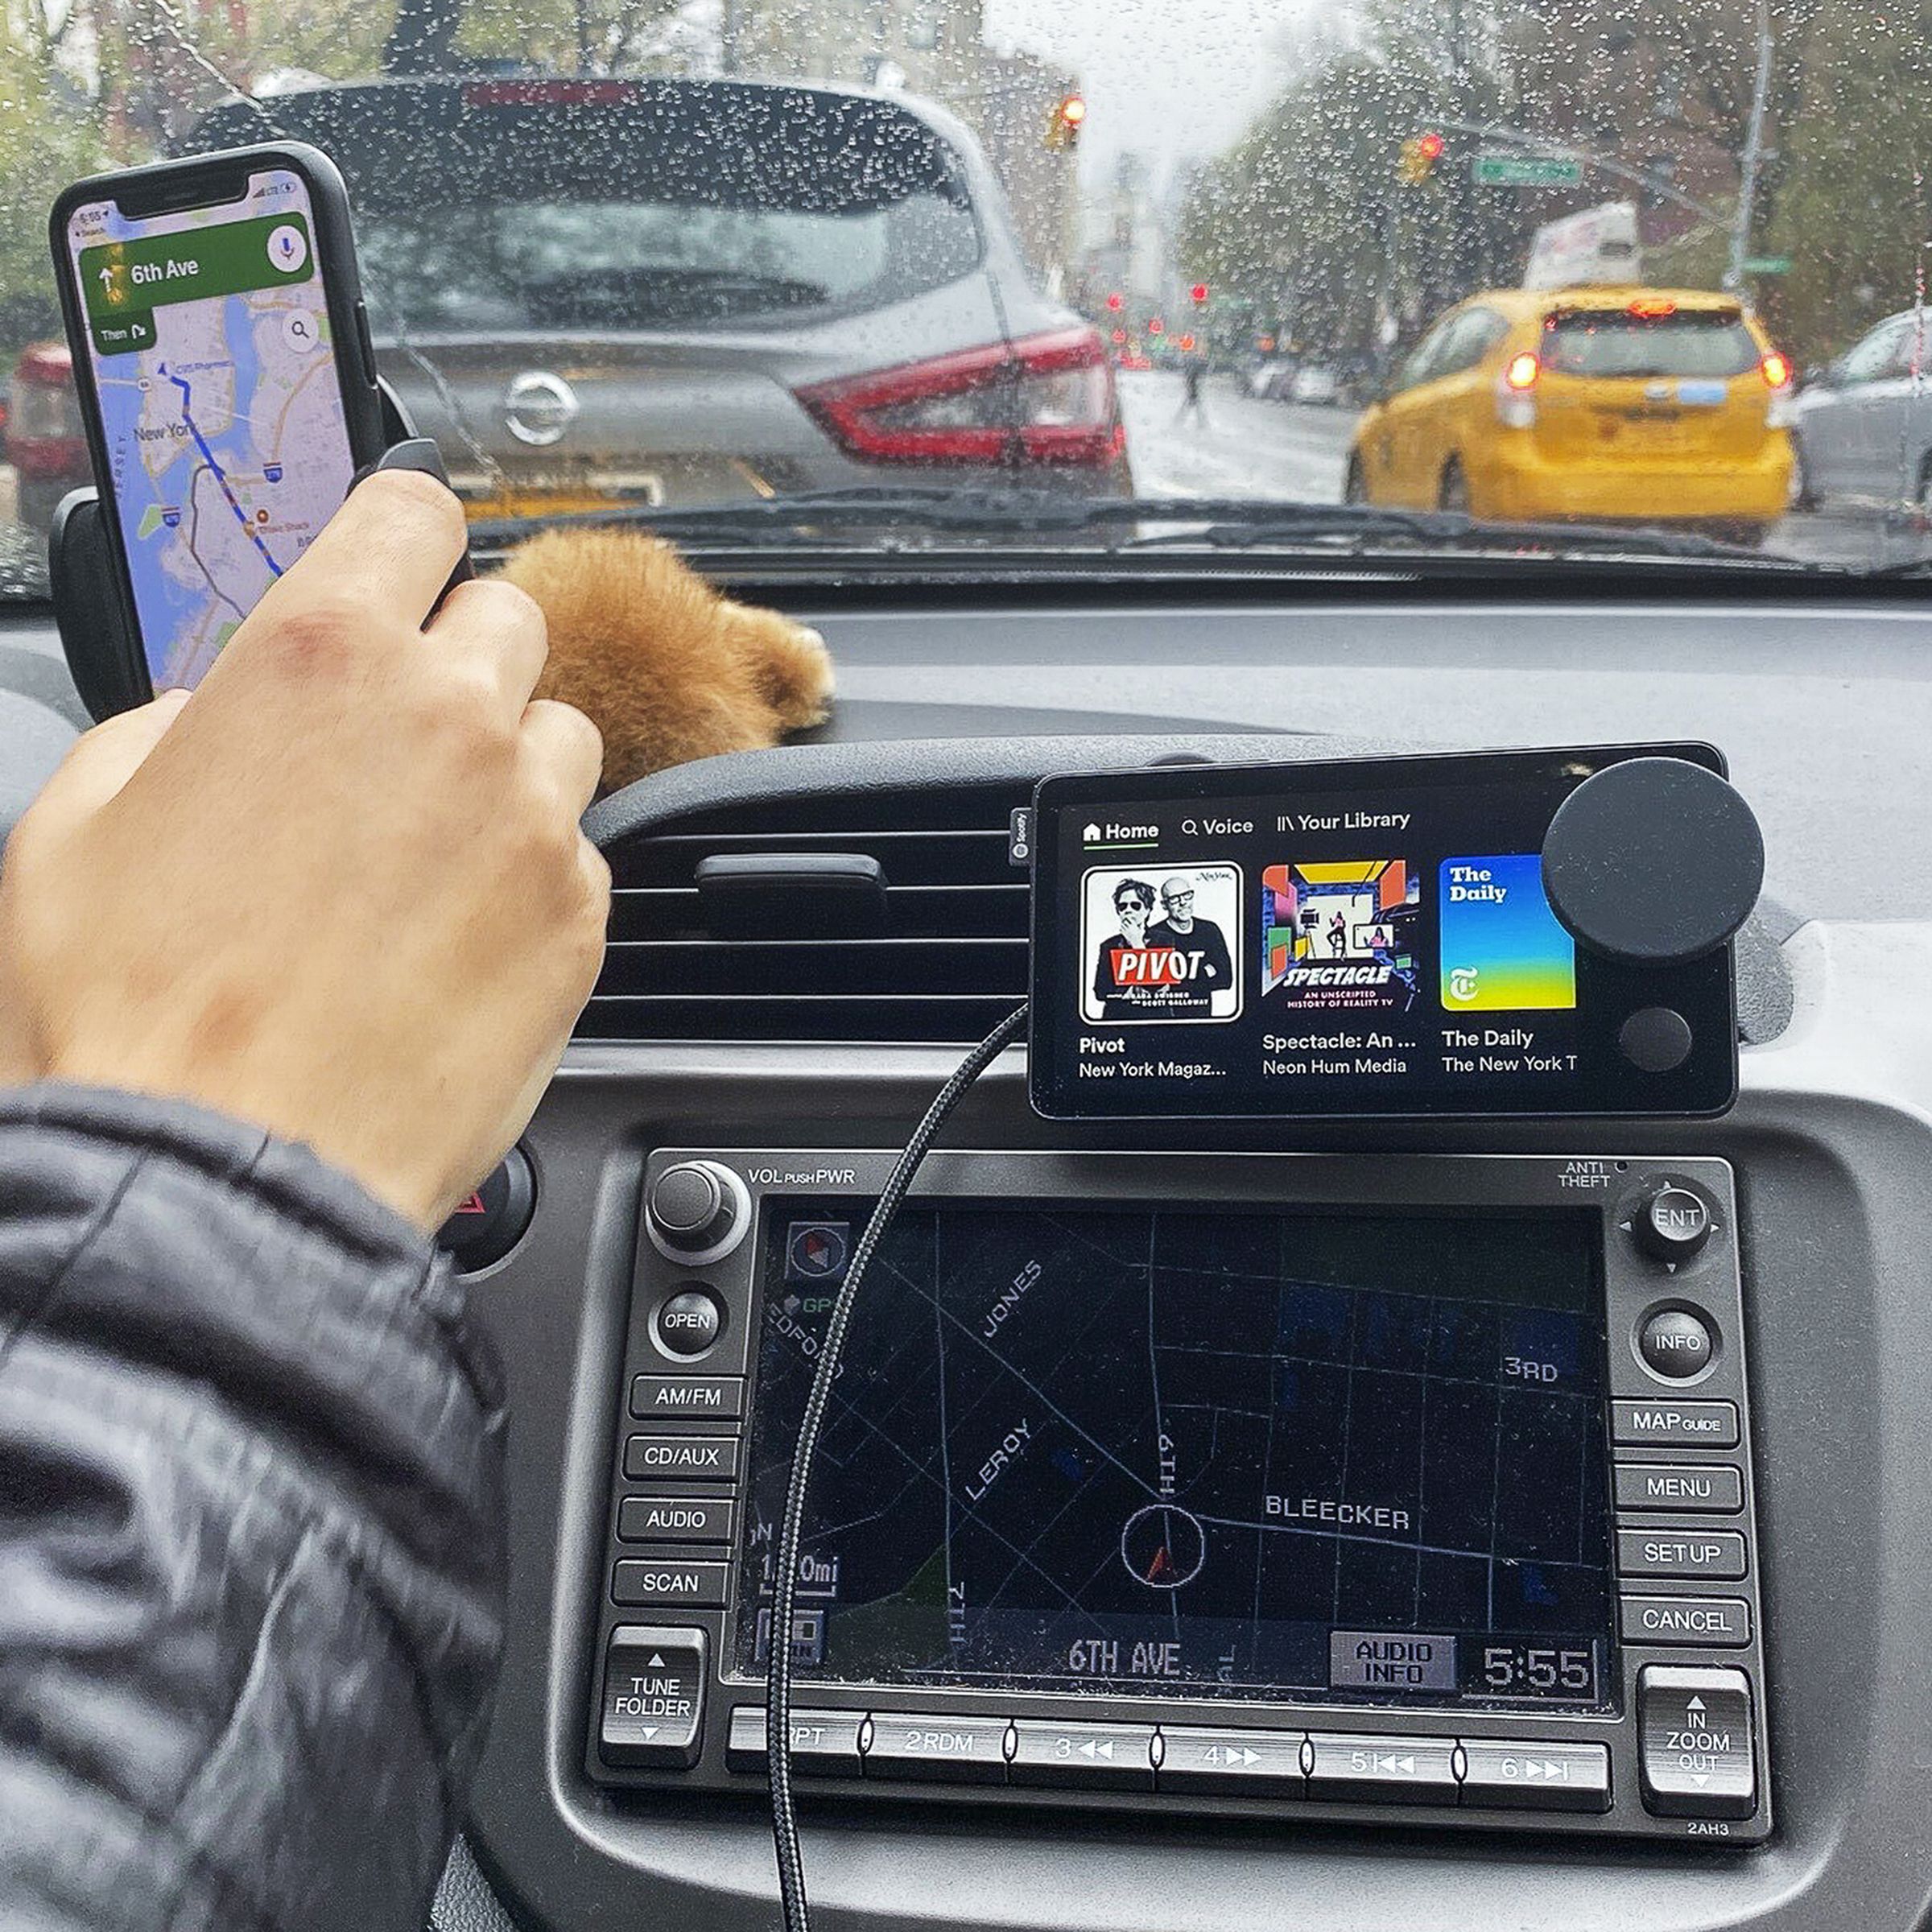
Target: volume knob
<point>697,1210</point>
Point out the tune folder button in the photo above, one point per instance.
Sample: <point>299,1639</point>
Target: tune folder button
<point>654,1696</point>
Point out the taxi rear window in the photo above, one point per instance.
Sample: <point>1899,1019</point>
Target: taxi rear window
<point>1614,342</point>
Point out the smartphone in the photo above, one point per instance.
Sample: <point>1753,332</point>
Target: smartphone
<point>223,365</point>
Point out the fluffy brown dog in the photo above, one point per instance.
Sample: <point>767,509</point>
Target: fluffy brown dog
<point>667,668</point>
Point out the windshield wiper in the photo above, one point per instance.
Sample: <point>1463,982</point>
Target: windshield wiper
<point>905,513</point>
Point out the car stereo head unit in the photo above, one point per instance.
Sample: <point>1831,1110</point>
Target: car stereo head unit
<point>1252,1484</point>
<point>1376,937</point>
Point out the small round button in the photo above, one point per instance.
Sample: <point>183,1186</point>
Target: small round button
<point>1673,1225</point>
<point>690,1321</point>
<point>484,1227</point>
<point>686,1198</point>
<point>1675,1343</point>
<point>1655,1040</point>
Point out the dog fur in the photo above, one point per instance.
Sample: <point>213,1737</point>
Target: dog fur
<point>667,668</point>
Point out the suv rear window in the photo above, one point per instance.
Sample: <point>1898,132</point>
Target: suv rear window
<point>1614,342</point>
<point>541,265</point>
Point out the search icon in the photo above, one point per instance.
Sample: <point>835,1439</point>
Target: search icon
<point>1189,827</point>
<point>301,331</point>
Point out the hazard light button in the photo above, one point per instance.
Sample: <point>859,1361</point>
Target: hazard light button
<point>653,1697</point>
<point>491,1221</point>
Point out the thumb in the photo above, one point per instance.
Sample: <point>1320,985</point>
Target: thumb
<point>104,759</point>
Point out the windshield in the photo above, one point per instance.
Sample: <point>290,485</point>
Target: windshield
<point>1360,274</point>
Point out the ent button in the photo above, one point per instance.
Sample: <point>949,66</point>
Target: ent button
<point>1695,1727</point>
<point>653,1697</point>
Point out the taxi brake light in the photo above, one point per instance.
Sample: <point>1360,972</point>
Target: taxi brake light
<point>1653,309</point>
<point>1523,371</point>
<point>1776,368</point>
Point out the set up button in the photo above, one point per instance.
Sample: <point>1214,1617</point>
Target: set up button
<point>1688,1553</point>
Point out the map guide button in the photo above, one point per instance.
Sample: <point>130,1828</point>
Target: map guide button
<point>950,1750</point>
<point>1401,1770</point>
<point>1536,1775</point>
<point>1116,1757</point>
<point>1667,1423</point>
<point>1239,1764</point>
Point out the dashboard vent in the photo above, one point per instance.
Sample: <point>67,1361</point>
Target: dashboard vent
<point>948,965</point>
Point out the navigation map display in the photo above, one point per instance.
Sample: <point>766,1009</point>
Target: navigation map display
<point>1359,938</point>
<point>1296,1456</point>
<point>212,349</point>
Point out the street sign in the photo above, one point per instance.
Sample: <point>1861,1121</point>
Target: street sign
<point>1526,171</point>
<point>1767,265</point>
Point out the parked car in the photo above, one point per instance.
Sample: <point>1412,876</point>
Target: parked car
<point>672,291</point>
<point>1862,431</point>
<point>1269,380</point>
<point>45,442</point>
<point>1600,404</point>
<point>1314,382</point>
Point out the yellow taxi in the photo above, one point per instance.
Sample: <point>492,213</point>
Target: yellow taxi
<point>1600,404</point>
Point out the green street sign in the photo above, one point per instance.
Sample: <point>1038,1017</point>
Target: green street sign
<point>1526,171</point>
<point>1767,265</point>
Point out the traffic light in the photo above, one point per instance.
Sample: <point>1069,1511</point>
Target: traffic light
<point>1157,327</point>
<point>1420,154</point>
<point>1064,123</point>
<point>1197,294</point>
<point>1116,303</point>
<point>1187,345</point>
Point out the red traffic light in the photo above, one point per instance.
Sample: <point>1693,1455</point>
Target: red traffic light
<point>1116,302</point>
<point>1431,146</point>
<point>1187,345</point>
<point>1198,293</point>
<point>1120,336</point>
<point>1073,110</point>
<point>1157,327</point>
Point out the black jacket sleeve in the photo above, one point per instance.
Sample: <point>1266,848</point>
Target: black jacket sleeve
<point>251,1532</point>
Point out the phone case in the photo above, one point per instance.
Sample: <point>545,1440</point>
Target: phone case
<point>190,182</point>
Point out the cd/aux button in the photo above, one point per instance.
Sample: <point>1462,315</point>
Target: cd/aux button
<point>682,1457</point>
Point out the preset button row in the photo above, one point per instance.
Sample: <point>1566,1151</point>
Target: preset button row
<point>951,1748</point>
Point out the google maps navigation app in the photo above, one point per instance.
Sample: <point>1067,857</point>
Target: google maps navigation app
<point>220,401</point>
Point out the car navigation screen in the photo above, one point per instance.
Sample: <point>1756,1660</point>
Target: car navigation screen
<point>1370,938</point>
<point>1295,1456</point>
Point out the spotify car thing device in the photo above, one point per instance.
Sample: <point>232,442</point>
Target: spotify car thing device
<point>222,361</point>
<point>1506,933</point>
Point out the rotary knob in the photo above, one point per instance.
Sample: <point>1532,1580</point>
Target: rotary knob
<point>697,1210</point>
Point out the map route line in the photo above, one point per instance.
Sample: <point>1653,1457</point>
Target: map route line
<point>207,457</point>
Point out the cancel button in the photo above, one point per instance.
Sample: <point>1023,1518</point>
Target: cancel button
<point>1686,1620</point>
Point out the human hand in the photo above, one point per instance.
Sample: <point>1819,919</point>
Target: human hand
<point>341,892</point>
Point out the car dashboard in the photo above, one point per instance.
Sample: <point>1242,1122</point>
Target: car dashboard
<point>1774,1581</point>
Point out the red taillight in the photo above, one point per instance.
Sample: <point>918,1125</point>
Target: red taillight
<point>44,435</point>
<point>1523,371</point>
<point>1047,399</point>
<point>1653,309</point>
<point>1776,368</point>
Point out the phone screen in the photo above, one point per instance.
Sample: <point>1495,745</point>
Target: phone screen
<point>227,447</point>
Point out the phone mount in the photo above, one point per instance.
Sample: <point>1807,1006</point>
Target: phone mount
<point>104,658</point>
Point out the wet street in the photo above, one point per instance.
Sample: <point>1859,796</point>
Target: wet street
<point>1298,452</point>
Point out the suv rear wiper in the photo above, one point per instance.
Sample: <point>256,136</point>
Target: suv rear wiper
<point>1128,523</point>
